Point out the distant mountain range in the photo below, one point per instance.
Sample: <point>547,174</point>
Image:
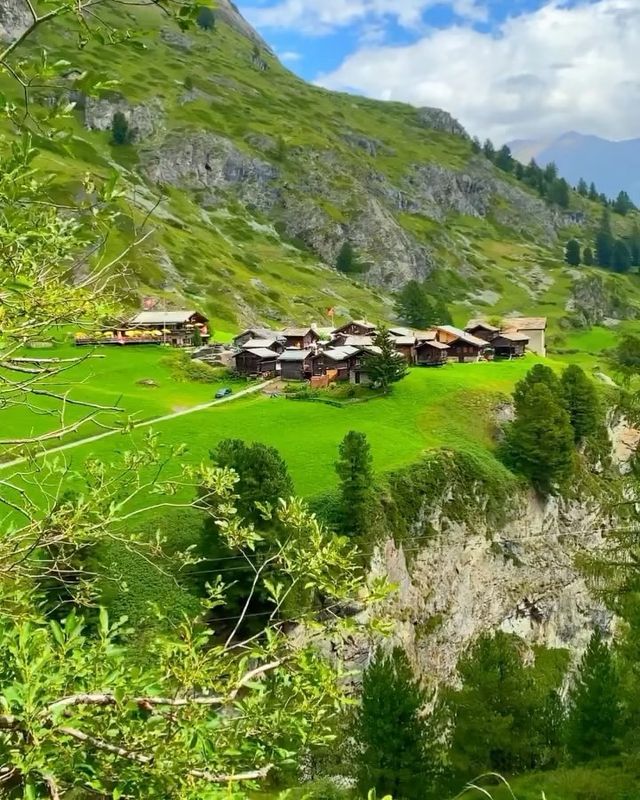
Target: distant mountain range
<point>612,166</point>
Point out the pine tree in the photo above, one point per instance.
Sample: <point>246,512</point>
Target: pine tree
<point>621,257</point>
<point>355,470</point>
<point>581,400</point>
<point>396,748</point>
<point>414,307</point>
<point>623,204</point>
<point>476,146</point>
<point>206,18</point>
<point>495,713</point>
<point>346,260</point>
<point>593,193</point>
<point>634,245</point>
<point>582,188</point>
<point>551,172</point>
<point>572,253</point>
<point>587,257</point>
<point>387,366</point>
<point>539,443</point>
<point>504,159</point>
<point>540,373</point>
<point>489,150</point>
<point>442,313</point>
<point>605,241</point>
<point>121,133</point>
<point>595,716</point>
<point>559,192</point>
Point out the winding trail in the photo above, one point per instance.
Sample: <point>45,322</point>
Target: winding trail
<point>144,424</point>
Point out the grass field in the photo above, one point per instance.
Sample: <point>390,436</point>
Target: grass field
<point>449,407</point>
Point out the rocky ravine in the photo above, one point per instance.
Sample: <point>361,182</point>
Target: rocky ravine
<point>457,580</point>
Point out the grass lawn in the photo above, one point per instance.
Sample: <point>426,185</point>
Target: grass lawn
<point>111,378</point>
<point>448,407</point>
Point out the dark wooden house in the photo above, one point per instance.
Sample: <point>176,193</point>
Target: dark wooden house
<point>302,338</point>
<point>510,345</point>
<point>463,346</point>
<point>357,327</point>
<point>256,362</point>
<point>406,346</point>
<point>431,354</point>
<point>169,327</point>
<point>482,330</point>
<point>277,345</point>
<point>255,333</point>
<point>296,364</point>
<point>338,359</point>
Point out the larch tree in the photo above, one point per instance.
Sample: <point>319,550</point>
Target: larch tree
<point>384,366</point>
<point>414,307</point>
<point>581,400</point>
<point>587,257</point>
<point>355,470</point>
<point>572,253</point>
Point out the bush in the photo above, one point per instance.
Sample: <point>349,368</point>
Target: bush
<point>184,368</point>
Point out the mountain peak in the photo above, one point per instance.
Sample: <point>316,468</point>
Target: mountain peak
<point>228,11</point>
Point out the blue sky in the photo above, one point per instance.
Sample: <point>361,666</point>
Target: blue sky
<point>506,68</point>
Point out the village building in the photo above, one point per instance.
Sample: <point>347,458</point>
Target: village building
<point>406,346</point>
<point>358,374</point>
<point>302,338</point>
<point>251,334</point>
<point>401,332</point>
<point>534,328</point>
<point>171,327</point>
<point>257,362</point>
<point>482,330</point>
<point>296,364</point>
<point>509,345</point>
<point>357,327</point>
<point>463,346</point>
<point>335,362</point>
<point>431,353</point>
<point>351,340</point>
<point>277,345</point>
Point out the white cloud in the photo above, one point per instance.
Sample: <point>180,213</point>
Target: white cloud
<point>542,73</point>
<point>319,17</point>
<point>290,56</point>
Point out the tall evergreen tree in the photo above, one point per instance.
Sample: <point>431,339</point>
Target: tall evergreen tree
<point>442,313</point>
<point>587,257</point>
<point>414,307</point>
<point>572,254</point>
<point>539,443</point>
<point>559,192</point>
<point>540,373</point>
<point>621,257</point>
<point>595,715</point>
<point>634,245</point>
<point>386,366</point>
<point>504,159</point>
<point>623,204</point>
<point>476,146</point>
<point>355,470</point>
<point>396,747</point>
<point>346,261</point>
<point>121,132</point>
<point>489,150</point>
<point>593,193</point>
<point>581,400</point>
<point>605,241</point>
<point>582,188</point>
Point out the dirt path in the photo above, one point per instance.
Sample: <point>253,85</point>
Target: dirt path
<point>145,424</point>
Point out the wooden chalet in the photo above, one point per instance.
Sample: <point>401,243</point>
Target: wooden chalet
<point>296,364</point>
<point>357,327</point>
<point>168,327</point>
<point>533,327</point>
<point>431,353</point>
<point>406,346</point>
<point>251,334</point>
<point>277,345</point>
<point>358,369</point>
<point>334,359</point>
<point>351,340</point>
<point>482,330</point>
<point>509,345</point>
<point>302,338</point>
<point>258,361</point>
<point>463,346</point>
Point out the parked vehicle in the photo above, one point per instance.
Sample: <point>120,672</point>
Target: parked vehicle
<point>223,393</point>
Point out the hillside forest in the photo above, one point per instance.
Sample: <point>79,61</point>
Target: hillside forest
<point>423,588</point>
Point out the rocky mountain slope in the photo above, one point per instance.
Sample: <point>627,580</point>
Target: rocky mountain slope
<point>256,180</point>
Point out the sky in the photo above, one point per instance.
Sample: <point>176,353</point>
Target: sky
<point>507,69</point>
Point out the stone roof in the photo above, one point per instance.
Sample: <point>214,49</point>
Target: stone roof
<point>260,352</point>
<point>358,341</point>
<point>294,354</point>
<point>339,353</point>
<point>525,323</point>
<point>514,336</point>
<point>297,331</point>
<point>433,343</point>
<point>259,343</point>
<point>481,323</point>
<point>466,337</point>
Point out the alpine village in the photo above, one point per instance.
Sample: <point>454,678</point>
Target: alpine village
<point>319,400</point>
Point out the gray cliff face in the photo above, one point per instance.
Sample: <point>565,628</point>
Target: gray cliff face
<point>14,19</point>
<point>318,198</point>
<point>595,300</point>
<point>145,120</point>
<point>439,120</point>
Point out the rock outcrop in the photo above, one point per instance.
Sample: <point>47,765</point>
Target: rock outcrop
<point>14,19</point>
<point>594,300</point>
<point>145,119</point>
<point>439,120</point>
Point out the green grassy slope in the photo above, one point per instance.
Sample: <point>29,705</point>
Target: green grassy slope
<point>234,261</point>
